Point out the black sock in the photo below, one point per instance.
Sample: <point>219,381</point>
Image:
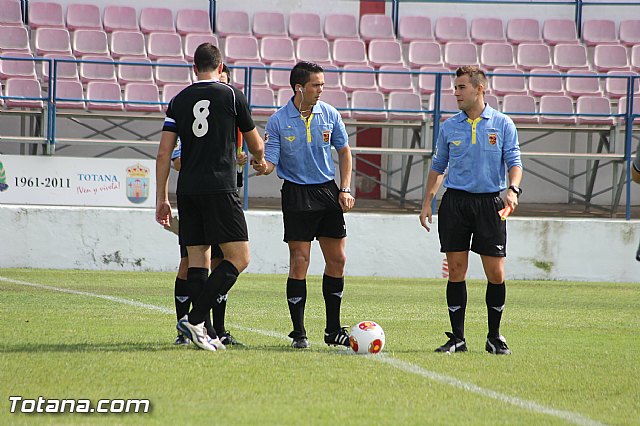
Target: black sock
<point>221,279</point>
<point>196,278</point>
<point>211,331</point>
<point>297,298</point>
<point>332,292</point>
<point>181,296</point>
<point>457,304</point>
<point>495,298</point>
<point>219,310</point>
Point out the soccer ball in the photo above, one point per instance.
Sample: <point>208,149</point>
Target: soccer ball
<point>367,337</point>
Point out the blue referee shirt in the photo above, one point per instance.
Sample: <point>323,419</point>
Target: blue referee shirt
<point>177,150</point>
<point>477,152</point>
<point>301,148</point>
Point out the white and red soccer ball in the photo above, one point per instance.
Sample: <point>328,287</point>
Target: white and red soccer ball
<point>367,337</point>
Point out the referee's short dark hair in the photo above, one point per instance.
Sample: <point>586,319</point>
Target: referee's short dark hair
<point>476,75</point>
<point>207,57</point>
<point>301,73</point>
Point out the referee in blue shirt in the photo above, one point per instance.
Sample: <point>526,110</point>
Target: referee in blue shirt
<point>298,145</point>
<point>476,147</point>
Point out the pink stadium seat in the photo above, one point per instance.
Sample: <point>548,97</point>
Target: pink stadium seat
<point>599,31</point>
<point>338,26</point>
<point>135,73</point>
<point>396,82</point>
<point>523,30</point>
<point>127,43</point>
<point>408,102</point>
<point>276,48</point>
<point>579,86</point>
<point>492,100</point>
<point>617,87</point>
<point>413,28</point>
<point>156,20</point>
<point>83,16</point>
<point>385,52</point>
<point>622,108</point>
<point>241,48</point>
<point>331,79</point>
<point>10,13</point>
<point>100,68</point>
<point>17,68</point>
<point>539,86</point>
<point>266,98</point>
<point>192,41</point>
<point>314,50</point>
<point>232,22</point>
<point>376,26</point>
<point>594,105</point>
<point>304,25</point>
<point>52,40</point>
<point>630,32</point>
<point>424,53</point>
<point>559,31</point>
<point>1,94</point>
<point>570,56</point>
<point>90,42</point>
<point>173,74</point>
<point>164,45</point>
<point>26,88</point>
<point>427,82</point>
<point>45,14</point>
<point>69,89</point>
<point>259,77</point>
<point>66,70</point>
<point>169,91</point>
<point>485,30</point>
<point>14,38</point>
<point>448,103</point>
<point>552,104</point>
<point>450,29</point>
<point>349,51</point>
<point>457,54</point>
<point>508,84</point>
<point>284,94</point>
<point>141,92</point>
<point>279,79</point>
<point>532,56</point>
<point>365,99</point>
<point>358,80</point>
<point>520,104</point>
<point>120,18</point>
<point>99,92</point>
<point>269,24</point>
<point>610,58</point>
<point>338,99</point>
<point>193,21</point>
<point>497,55</point>
<point>635,57</point>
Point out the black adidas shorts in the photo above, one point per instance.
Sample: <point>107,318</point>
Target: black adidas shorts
<point>312,211</point>
<point>211,219</point>
<point>216,252</point>
<point>472,220</point>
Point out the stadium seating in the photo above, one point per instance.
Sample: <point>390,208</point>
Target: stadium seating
<point>451,29</point>
<point>135,73</point>
<point>337,98</point>
<point>314,50</point>
<point>279,79</point>
<point>192,41</point>
<point>164,45</point>
<point>26,88</point>
<point>630,32</point>
<point>485,30</point>
<point>396,82</point>
<point>622,107</point>
<point>559,31</point>
<point>127,43</point>
<point>520,104</point>
<point>492,100</point>
<point>552,104</point>
<point>532,56</point>
<point>304,25</point>
<point>448,105</point>
<point>340,26</point>
<point>14,38</point>
<point>156,20</point>
<point>427,82</point>
<point>52,40</point>
<point>141,92</point>
<point>365,99</point>
<point>90,42</point>
<point>66,70</point>
<point>385,52</point>
<point>45,14</point>
<point>265,97</point>
<point>232,23</point>
<point>635,57</point>
<point>523,30</point>
<point>457,54</point>
<point>83,16</point>
<point>599,31</point>
<point>579,86</point>
<point>193,21</point>
<point>104,96</point>
<point>259,77</point>
<point>594,105</point>
<point>120,18</point>
<point>570,57</point>
<point>610,58</point>
<point>508,84</point>
<point>269,24</point>
<point>411,28</point>
<point>10,13</point>
<point>349,51</point>
<point>331,79</point>
<point>241,48</point>
<point>173,74</point>
<point>539,86</point>
<point>424,53</point>
<point>17,68</point>
<point>405,101</point>
<point>497,55</point>
<point>617,87</point>
<point>358,80</point>
<point>69,89</point>
<point>169,91</point>
<point>376,26</point>
<point>276,48</point>
<point>98,68</point>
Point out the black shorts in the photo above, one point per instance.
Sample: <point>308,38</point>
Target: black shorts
<point>211,219</point>
<point>312,211</point>
<point>462,215</point>
<point>216,252</point>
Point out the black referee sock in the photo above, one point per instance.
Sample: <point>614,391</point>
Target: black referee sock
<point>221,280</point>
<point>332,292</point>
<point>220,306</point>
<point>181,297</point>
<point>495,298</point>
<point>457,304</point>
<point>297,298</point>
<point>196,278</point>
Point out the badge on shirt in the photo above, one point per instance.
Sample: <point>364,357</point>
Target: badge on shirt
<point>493,138</point>
<point>290,138</point>
<point>326,136</point>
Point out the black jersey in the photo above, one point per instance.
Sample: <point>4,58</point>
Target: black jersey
<point>205,116</point>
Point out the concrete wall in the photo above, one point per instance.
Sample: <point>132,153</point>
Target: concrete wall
<point>378,245</point>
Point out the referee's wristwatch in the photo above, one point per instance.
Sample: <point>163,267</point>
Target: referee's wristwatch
<point>345,190</point>
<point>516,189</point>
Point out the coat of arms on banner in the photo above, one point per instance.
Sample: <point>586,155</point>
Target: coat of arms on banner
<point>137,183</point>
<point>3,178</point>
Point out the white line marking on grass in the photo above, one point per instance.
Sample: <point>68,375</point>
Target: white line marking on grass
<point>407,367</point>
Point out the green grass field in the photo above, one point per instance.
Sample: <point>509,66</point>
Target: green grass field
<point>575,354</point>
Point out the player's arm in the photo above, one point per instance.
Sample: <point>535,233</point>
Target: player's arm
<point>513,160</point>
<point>434,181</point>
<point>635,167</point>
<point>255,144</point>
<point>271,148</point>
<point>163,165</point>
<point>345,163</point>
<point>515,177</point>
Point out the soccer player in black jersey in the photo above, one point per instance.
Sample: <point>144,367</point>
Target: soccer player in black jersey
<point>205,116</point>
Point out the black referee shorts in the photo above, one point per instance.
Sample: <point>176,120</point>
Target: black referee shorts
<point>209,219</point>
<point>312,211</point>
<point>216,252</point>
<point>471,220</point>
